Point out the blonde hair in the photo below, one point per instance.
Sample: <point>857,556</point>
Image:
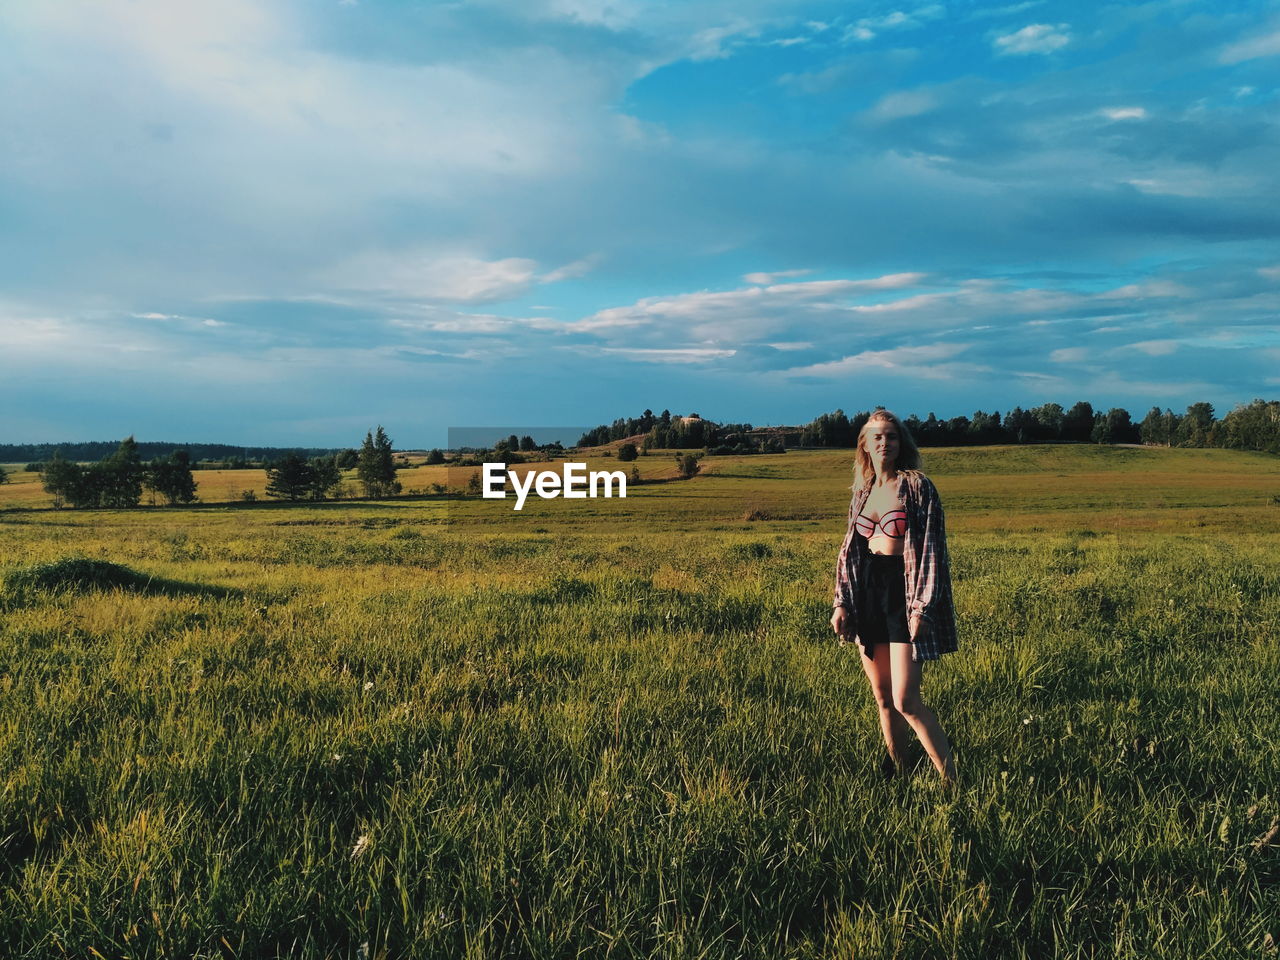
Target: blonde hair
<point>864,473</point>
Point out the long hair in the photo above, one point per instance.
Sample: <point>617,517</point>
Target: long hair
<point>864,474</point>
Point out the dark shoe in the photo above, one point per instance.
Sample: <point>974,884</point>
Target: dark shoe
<point>888,769</point>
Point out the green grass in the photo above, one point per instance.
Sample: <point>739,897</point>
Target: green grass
<point>619,728</point>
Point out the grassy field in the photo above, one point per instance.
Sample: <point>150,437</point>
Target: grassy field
<point>619,728</point>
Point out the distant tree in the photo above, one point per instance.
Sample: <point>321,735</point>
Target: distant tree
<point>171,478</point>
<point>1196,427</point>
<point>87,486</point>
<point>325,477</point>
<point>4,475</point>
<point>527,444</point>
<point>290,478</point>
<point>833,430</point>
<point>627,452</point>
<point>957,429</point>
<point>474,486</point>
<point>985,428</point>
<point>1152,428</point>
<point>1049,417</point>
<point>376,468</point>
<point>347,459</point>
<point>117,480</point>
<point>688,465</point>
<point>1253,426</point>
<point>1077,423</point>
<point>1114,426</point>
<point>58,477</point>
<point>434,456</point>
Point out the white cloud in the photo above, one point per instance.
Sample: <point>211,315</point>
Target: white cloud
<point>926,362</point>
<point>756,309</point>
<point>1155,348</point>
<point>867,28</point>
<point>1146,289</point>
<point>570,271</point>
<point>902,103</point>
<point>716,43</point>
<point>1124,113</point>
<point>1069,355</point>
<point>670,355</point>
<point>983,14</point>
<point>1035,38</point>
<point>766,278</point>
<point>1267,45</point>
<point>424,276</point>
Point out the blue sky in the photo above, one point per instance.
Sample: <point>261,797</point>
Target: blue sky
<point>284,223</point>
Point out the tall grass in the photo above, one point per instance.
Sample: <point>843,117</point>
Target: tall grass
<point>362,730</point>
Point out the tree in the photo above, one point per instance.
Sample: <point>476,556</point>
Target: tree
<point>1253,426</point>
<point>1114,426</point>
<point>627,452</point>
<point>1021,425</point>
<point>4,475</point>
<point>1077,423</point>
<point>1196,428</point>
<point>1152,428</point>
<point>1049,417</point>
<point>688,465</point>
<point>434,456</point>
<point>325,477</point>
<point>118,478</point>
<point>171,478</point>
<point>376,467</point>
<point>527,444</point>
<point>347,459</point>
<point>290,478</point>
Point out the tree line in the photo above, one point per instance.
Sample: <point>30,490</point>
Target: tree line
<point>90,451</point>
<point>1252,426</point>
<point>118,480</point>
<point>667,432</point>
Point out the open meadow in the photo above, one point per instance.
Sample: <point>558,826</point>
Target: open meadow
<point>435,727</point>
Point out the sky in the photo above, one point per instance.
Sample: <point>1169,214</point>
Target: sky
<point>285,223</point>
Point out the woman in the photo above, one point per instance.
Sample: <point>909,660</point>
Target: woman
<point>893,586</point>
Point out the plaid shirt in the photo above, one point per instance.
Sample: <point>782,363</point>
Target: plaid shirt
<point>925,561</point>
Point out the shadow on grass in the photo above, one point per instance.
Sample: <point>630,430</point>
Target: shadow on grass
<point>80,574</point>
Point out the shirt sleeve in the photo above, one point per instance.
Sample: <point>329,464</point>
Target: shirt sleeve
<point>843,596</point>
<point>933,573</point>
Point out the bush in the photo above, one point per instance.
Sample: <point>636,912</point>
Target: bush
<point>627,452</point>
<point>688,465</point>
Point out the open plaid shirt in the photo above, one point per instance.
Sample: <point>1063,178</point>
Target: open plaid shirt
<point>925,562</point>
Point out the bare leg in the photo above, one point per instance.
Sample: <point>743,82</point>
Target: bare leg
<point>893,725</point>
<point>906,699</point>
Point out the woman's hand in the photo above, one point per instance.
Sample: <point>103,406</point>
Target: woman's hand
<point>918,627</point>
<point>840,622</point>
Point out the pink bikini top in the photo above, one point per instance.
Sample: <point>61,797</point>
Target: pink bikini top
<point>893,525</point>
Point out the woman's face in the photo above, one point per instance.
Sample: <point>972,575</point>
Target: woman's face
<point>882,442</point>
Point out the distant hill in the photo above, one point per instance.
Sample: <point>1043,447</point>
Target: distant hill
<point>93,450</point>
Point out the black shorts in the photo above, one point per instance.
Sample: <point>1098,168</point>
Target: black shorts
<point>882,601</point>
